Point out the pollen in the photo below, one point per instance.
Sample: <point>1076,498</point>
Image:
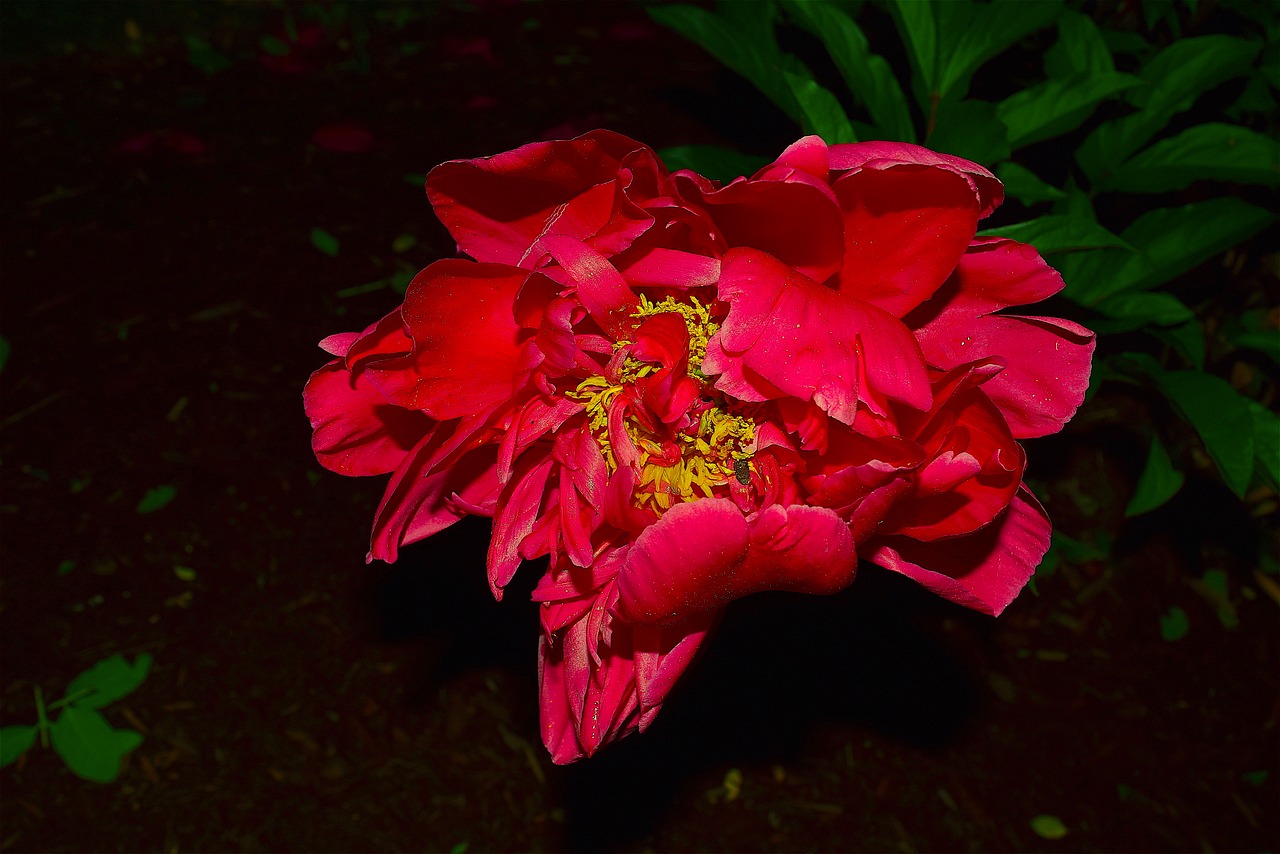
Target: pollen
<point>707,453</point>
<point>697,317</point>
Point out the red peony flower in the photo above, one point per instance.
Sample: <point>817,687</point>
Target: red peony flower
<point>680,393</point>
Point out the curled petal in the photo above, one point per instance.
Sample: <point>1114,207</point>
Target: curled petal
<point>588,693</point>
<point>661,655</point>
<point>601,288</point>
<point>1047,359</point>
<point>984,570</point>
<point>905,231</point>
<point>879,155</point>
<point>497,207</point>
<point>356,430</point>
<point>784,211</point>
<point>417,503</point>
<point>702,554</point>
<point>469,353</point>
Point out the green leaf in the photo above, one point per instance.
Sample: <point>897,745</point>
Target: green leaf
<point>89,745</point>
<point>713,161</point>
<point>15,741</point>
<point>1214,587</point>
<point>970,129</point>
<point>741,38</point>
<point>919,32</point>
<point>1048,827</point>
<point>156,498</point>
<point>1187,338</point>
<point>869,77</point>
<point>820,111</point>
<point>1055,107</point>
<point>969,34</point>
<point>1054,233</point>
<point>1131,310</point>
<point>1220,416</point>
<point>324,241</point>
<point>403,243</point>
<point>1266,442</point>
<point>205,56</point>
<point>1158,482</point>
<point>108,681</point>
<point>1171,241</point>
<point>1080,47</point>
<point>5,349</point>
<point>1174,624</point>
<point>1024,185</point>
<point>1216,152</point>
<point>1175,77</point>
<point>273,46</point>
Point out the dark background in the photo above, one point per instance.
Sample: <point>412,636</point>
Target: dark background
<point>163,299</point>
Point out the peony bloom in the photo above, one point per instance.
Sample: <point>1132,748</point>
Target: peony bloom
<point>681,393</point>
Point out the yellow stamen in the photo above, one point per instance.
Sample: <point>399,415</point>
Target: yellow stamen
<point>713,452</point>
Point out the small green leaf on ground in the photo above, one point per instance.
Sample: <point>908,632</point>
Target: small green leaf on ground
<point>273,46</point>
<point>1174,624</point>
<point>205,56</point>
<point>1048,827</point>
<point>1214,583</point>
<point>185,573</point>
<point>324,241</point>
<point>89,745</point>
<point>108,681</point>
<point>1253,778</point>
<point>460,848</point>
<point>156,498</point>
<point>66,567</point>
<point>403,243</point>
<point>17,740</point>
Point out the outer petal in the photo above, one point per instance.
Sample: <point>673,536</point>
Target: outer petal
<point>858,156</point>
<point>496,207</point>
<point>661,655</point>
<point>806,338</point>
<point>1048,359</point>
<point>784,211</point>
<point>905,228</point>
<point>468,354</point>
<point>702,554</point>
<point>974,468</point>
<point>416,502</point>
<point>984,570</point>
<point>357,432</point>
<point>588,690</point>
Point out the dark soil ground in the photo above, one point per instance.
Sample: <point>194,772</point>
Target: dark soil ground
<point>163,307</point>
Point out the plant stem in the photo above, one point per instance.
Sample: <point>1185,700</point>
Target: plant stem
<point>71,698</point>
<point>42,719</point>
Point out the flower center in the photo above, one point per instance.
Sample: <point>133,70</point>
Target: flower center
<point>705,451</point>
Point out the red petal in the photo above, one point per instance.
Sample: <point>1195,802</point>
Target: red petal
<point>790,214</point>
<point>984,570</point>
<point>1048,359</point>
<point>905,230</point>
<point>497,207</point>
<point>468,354</point>
<point>357,431</point>
<point>812,342</point>
<point>702,554</point>
<point>987,189</point>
